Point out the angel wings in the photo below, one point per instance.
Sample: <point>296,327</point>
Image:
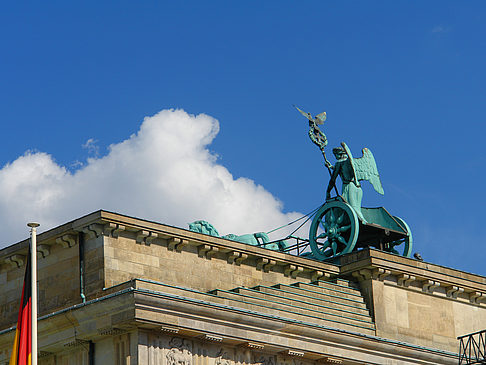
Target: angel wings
<point>365,168</point>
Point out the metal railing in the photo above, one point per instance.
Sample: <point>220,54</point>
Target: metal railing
<point>472,348</point>
<point>294,245</point>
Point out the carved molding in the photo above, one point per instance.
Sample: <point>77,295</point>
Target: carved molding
<point>94,230</point>
<point>265,264</point>
<point>236,257</point>
<point>207,251</point>
<point>317,275</point>
<point>269,265</point>
<point>167,329</point>
<point>43,251</point>
<point>212,338</point>
<point>146,237</point>
<point>261,262</point>
<point>254,346</point>
<point>381,274</point>
<point>293,270</point>
<point>453,291</point>
<point>292,353</point>
<point>141,235</point>
<point>476,297</point>
<point>428,286</point>
<point>150,238</point>
<point>330,360</point>
<point>113,229</point>
<point>232,256</point>
<point>109,228</point>
<point>405,279</point>
<point>212,252</point>
<point>177,244</point>
<point>15,260</point>
<point>363,274</point>
<point>173,242</point>
<point>202,249</point>
<point>67,240</point>
<point>241,258</point>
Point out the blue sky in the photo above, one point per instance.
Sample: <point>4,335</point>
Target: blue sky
<point>405,79</point>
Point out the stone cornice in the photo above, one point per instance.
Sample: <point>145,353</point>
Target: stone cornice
<point>413,274</point>
<point>208,246</point>
<point>193,318</point>
<point>133,307</point>
<point>49,237</point>
<point>406,271</point>
<point>104,223</point>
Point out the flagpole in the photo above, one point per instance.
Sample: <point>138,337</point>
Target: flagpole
<point>33,261</point>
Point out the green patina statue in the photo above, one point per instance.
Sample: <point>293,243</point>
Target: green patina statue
<point>204,228</point>
<point>254,239</point>
<point>341,225</point>
<point>315,134</point>
<point>352,171</point>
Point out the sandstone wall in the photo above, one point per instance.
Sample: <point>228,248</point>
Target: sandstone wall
<point>125,259</point>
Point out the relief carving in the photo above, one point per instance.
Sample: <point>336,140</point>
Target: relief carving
<point>264,360</point>
<point>180,352</point>
<point>222,358</point>
<point>243,356</point>
<point>288,361</point>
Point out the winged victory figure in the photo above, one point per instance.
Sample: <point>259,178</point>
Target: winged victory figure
<point>352,171</point>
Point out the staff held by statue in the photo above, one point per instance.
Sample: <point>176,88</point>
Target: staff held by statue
<point>316,135</point>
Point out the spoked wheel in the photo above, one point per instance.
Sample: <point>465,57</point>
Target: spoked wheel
<point>405,243</point>
<point>334,230</point>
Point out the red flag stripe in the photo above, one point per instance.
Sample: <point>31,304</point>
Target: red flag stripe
<point>22,348</point>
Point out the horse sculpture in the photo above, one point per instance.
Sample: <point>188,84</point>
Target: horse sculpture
<point>254,239</point>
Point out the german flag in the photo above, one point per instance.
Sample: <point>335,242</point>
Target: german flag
<point>21,352</point>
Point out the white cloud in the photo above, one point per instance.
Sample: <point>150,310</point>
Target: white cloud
<point>165,173</point>
<point>92,147</point>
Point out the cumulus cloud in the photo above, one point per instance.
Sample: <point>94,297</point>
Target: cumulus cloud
<point>165,172</point>
<point>92,147</point>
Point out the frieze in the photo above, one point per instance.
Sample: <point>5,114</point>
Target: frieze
<point>222,357</point>
<point>180,352</point>
<point>261,359</point>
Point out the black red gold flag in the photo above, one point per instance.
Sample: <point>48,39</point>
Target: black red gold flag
<point>21,351</point>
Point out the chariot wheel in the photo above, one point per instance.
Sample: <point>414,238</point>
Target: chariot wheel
<point>334,230</point>
<point>405,243</point>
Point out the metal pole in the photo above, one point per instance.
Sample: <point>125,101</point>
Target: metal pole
<point>33,261</point>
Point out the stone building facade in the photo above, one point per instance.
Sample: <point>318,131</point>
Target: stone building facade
<point>119,290</point>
